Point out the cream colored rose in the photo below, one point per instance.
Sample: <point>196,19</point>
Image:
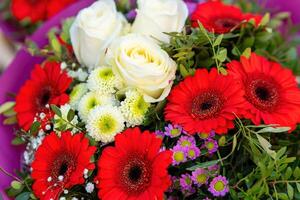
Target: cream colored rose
<point>93,31</point>
<point>142,64</point>
<point>154,17</point>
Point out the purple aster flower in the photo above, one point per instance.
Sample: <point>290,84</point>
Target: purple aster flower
<point>179,154</point>
<point>186,184</point>
<point>200,177</point>
<point>206,198</point>
<point>159,134</point>
<point>219,186</point>
<point>193,152</point>
<point>211,145</point>
<point>205,136</point>
<point>186,141</point>
<point>173,130</point>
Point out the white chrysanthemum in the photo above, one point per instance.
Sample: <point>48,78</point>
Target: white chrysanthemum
<point>76,94</point>
<point>134,108</point>
<point>91,100</point>
<point>104,123</point>
<point>103,80</point>
<point>59,122</point>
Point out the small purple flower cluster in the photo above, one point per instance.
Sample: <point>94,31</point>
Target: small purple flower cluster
<point>218,186</point>
<point>185,150</point>
<point>209,143</point>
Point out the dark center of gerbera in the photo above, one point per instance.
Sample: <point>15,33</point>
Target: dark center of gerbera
<point>135,174</point>
<point>44,97</point>
<point>227,23</point>
<point>62,166</point>
<point>262,92</point>
<point>206,105</point>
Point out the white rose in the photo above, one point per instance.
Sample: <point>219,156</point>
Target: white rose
<point>93,31</point>
<point>154,17</point>
<point>142,64</point>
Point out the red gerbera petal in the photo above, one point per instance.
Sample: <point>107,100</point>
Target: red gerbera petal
<point>271,91</point>
<point>67,156</point>
<point>34,10</point>
<point>54,6</point>
<point>47,85</point>
<point>134,168</point>
<point>217,17</point>
<point>205,102</point>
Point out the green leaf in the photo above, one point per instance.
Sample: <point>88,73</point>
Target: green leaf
<point>265,20</point>
<point>298,186</point>
<point>247,53</point>
<point>17,141</point>
<point>274,130</point>
<point>183,71</point>
<point>265,144</point>
<point>288,173</point>
<point>71,115</point>
<point>9,113</point>
<point>7,106</point>
<point>283,196</point>
<point>222,141</point>
<point>203,165</point>
<point>223,71</point>
<point>35,127</point>
<point>32,47</point>
<point>23,196</point>
<point>296,173</point>
<point>16,185</point>
<point>280,153</point>
<point>56,110</point>
<point>10,121</point>
<point>235,51</point>
<point>65,35</point>
<point>222,55</point>
<point>218,41</point>
<point>290,191</point>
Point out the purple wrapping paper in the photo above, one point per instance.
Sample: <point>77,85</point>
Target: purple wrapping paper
<point>291,6</point>
<point>19,71</point>
<point>11,81</point>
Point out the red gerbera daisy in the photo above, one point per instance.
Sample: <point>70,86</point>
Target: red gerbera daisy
<point>34,10</point>
<point>271,91</point>
<point>220,18</point>
<point>46,86</point>
<point>60,163</point>
<point>54,6</point>
<point>134,168</point>
<point>204,102</point>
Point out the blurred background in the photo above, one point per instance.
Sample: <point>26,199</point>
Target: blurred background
<point>7,51</point>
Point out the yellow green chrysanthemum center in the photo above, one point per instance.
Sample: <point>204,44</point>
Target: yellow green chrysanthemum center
<point>175,132</point>
<point>179,156</point>
<point>140,107</point>
<point>201,178</point>
<point>203,135</point>
<point>106,74</point>
<point>92,103</point>
<point>219,186</point>
<point>210,145</point>
<point>107,124</point>
<point>186,143</point>
<point>74,92</point>
<point>191,153</point>
<point>188,180</point>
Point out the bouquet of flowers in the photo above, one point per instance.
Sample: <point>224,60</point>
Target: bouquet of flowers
<point>158,103</point>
